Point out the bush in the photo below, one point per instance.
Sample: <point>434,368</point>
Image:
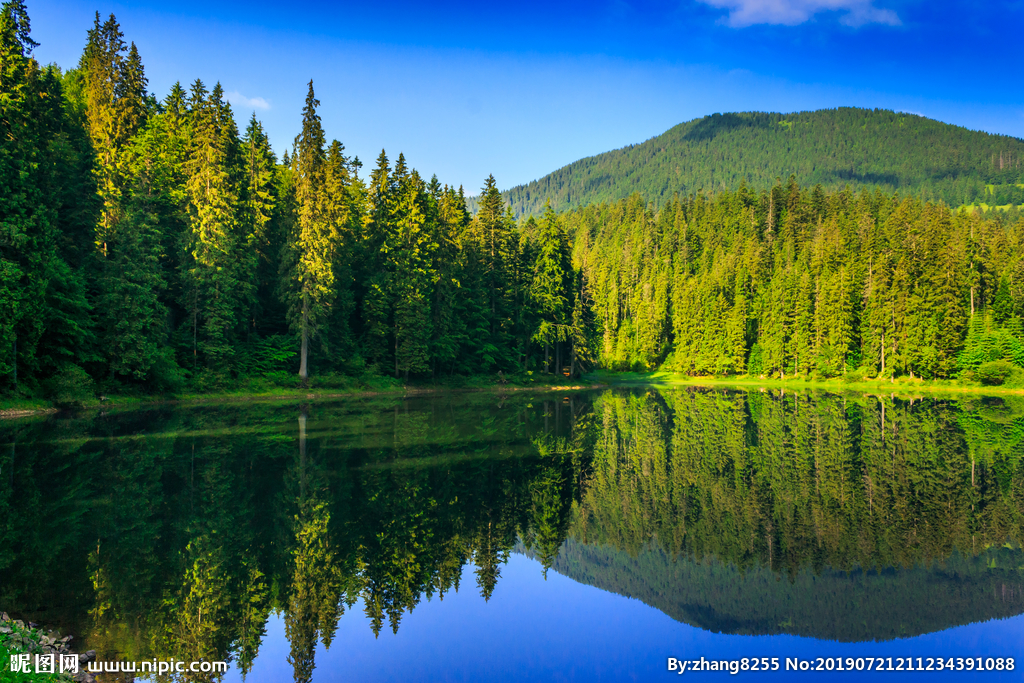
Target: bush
<point>165,375</point>
<point>994,372</point>
<point>208,381</point>
<point>854,376</point>
<point>272,354</point>
<point>330,380</point>
<point>69,387</point>
<point>755,364</point>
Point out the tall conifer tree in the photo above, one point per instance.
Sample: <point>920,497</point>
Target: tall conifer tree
<point>214,241</point>
<point>311,283</point>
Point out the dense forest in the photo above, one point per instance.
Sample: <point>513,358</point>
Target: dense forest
<point>178,531</point>
<point>148,243</point>
<point>152,245</point>
<point>836,148</point>
<point>800,281</point>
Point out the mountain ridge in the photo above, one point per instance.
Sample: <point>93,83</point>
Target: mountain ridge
<point>846,146</point>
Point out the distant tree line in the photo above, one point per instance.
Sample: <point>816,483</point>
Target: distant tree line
<point>147,243</point>
<point>801,281</point>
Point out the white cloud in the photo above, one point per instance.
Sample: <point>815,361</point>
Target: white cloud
<point>237,99</point>
<point>792,12</point>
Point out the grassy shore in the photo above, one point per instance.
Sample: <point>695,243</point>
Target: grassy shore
<point>345,387</point>
<point>899,386</point>
<point>318,389</point>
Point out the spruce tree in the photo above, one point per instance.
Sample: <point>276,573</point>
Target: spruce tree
<point>552,292</point>
<point>311,286</point>
<point>44,208</point>
<point>259,201</point>
<point>413,275</point>
<point>212,282</point>
<point>378,240</point>
<point>492,233</point>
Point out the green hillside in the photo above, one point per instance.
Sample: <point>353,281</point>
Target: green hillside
<point>834,147</point>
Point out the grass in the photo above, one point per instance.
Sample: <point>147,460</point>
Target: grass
<point>985,208</point>
<point>902,385</point>
<point>288,388</point>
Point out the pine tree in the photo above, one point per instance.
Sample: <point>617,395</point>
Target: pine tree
<point>378,241</point>
<point>44,315</point>
<point>132,280</point>
<point>737,325</point>
<point>492,234</point>
<point>20,253</point>
<point>213,244</point>
<point>414,276</point>
<point>116,106</point>
<point>343,208</point>
<point>311,284</point>
<point>552,290</point>
<point>259,201</point>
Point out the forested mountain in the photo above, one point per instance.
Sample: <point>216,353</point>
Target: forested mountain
<point>859,148</point>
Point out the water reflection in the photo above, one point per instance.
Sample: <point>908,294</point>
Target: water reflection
<point>177,532</point>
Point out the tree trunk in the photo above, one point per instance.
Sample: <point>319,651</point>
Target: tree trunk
<point>883,353</point>
<point>572,355</point>
<point>15,364</point>
<point>558,358</point>
<point>304,352</point>
<point>547,357</point>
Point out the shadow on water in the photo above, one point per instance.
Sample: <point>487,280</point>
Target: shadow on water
<point>176,532</point>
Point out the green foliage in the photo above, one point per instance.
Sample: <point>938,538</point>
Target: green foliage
<point>69,387</point>
<point>994,373</point>
<point>816,283</point>
<point>269,355</point>
<point>836,148</point>
<point>987,342</point>
<point>157,248</point>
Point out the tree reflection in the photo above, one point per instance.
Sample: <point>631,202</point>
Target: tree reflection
<point>188,528</point>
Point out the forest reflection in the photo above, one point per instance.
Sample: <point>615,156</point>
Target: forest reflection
<point>177,532</point>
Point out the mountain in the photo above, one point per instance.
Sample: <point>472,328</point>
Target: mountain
<point>861,148</point>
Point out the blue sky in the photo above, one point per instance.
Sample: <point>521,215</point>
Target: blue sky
<point>520,89</point>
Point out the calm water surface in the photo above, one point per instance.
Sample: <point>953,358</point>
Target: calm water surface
<point>589,536</point>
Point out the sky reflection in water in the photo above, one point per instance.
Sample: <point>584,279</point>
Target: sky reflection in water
<point>560,630</point>
<point>743,524</point>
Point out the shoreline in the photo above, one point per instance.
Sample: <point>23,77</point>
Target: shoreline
<point>131,402</point>
<point>900,386</point>
<point>599,380</point>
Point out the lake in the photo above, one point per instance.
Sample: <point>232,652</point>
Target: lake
<point>572,536</point>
